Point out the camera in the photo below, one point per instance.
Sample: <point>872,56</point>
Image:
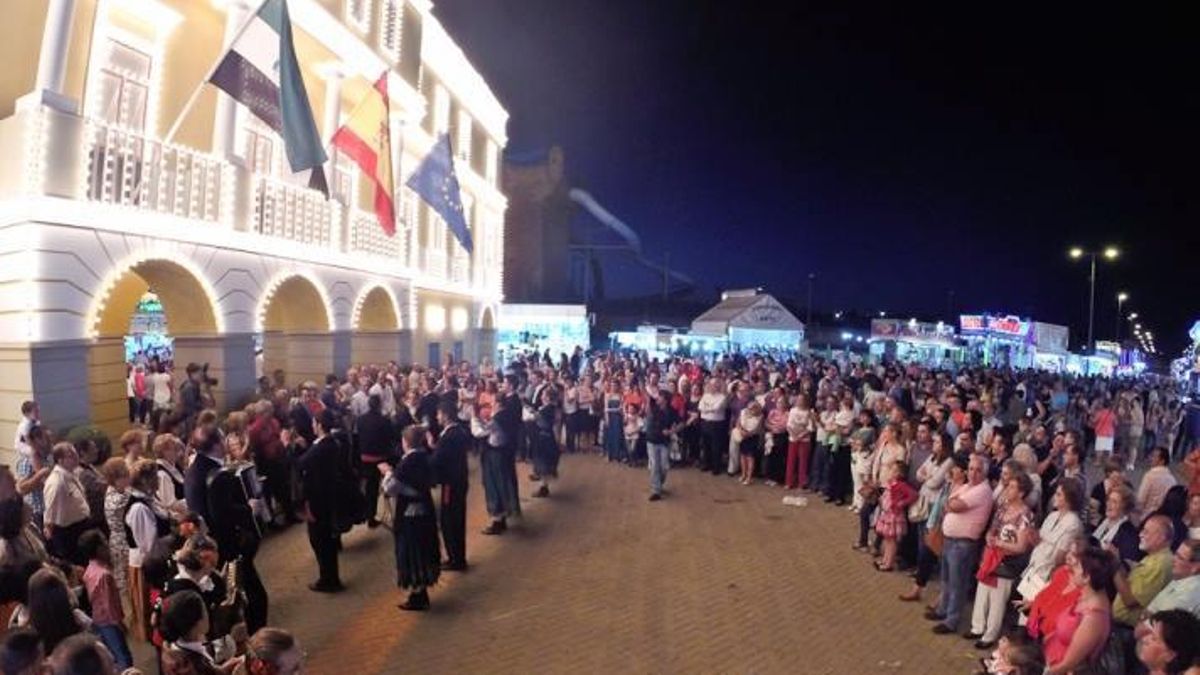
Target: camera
<point>210,381</point>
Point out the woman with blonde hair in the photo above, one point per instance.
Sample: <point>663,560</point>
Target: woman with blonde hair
<point>168,454</point>
<point>145,522</point>
<point>132,446</point>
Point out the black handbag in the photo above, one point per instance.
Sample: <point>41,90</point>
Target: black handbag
<point>1011,567</point>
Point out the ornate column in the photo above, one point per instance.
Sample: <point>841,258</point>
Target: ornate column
<point>52,60</point>
<point>225,124</point>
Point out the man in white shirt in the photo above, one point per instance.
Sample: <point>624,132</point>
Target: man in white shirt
<point>67,513</point>
<point>29,417</point>
<point>1183,592</point>
<point>1155,483</point>
<point>713,427</point>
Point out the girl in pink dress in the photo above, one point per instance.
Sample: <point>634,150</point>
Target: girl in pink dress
<point>892,521</point>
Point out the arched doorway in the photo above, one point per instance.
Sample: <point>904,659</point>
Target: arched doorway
<point>296,338</point>
<point>155,286</point>
<point>377,338</point>
<point>486,339</point>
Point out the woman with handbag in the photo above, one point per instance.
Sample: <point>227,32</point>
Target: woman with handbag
<point>415,530</point>
<point>933,476</point>
<point>1008,542</point>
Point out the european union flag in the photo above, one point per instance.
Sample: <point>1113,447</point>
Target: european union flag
<point>435,181</point>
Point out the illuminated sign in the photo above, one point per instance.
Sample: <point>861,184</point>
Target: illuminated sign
<point>987,324</point>
<point>972,323</point>
<point>1008,325</point>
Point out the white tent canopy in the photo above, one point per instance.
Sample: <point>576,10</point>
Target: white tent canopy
<point>743,311</point>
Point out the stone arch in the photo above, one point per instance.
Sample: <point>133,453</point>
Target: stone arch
<point>377,338</point>
<point>376,310</point>
<point>295,302</point>
<point>485,336</point>
<point>191,311</point>
<point>187,299</point>
<point>487,318</point>
<point>295,319</point>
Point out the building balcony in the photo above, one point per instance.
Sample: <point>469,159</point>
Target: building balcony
<point>366,236</point>
<point>49,153</point>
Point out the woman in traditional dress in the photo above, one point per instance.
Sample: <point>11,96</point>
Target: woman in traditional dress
<point>415,529</point>
<point>546,451</point>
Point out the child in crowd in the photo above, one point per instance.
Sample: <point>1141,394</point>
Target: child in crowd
<point>1016,654</point>
<point>892,522</point>
<point>108,617</point>
<point>633,430</point>
<point>862,442</point>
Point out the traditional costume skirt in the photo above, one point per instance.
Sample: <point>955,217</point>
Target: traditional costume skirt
<point>418,551</point>
<point>499,490</point>
<point>545,455</point>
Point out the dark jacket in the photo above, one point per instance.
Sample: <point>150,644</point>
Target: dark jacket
<point>450,456</point>
<point>659,418</point>
<point>509,417</point>
<point>376,436</point>
<point>195,484</point>
<point>319,467</point>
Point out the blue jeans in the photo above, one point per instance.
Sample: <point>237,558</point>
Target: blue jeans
<point>114,638</point>
<point>958,572</point>
<point>660,461</point>
<point>818,474</point>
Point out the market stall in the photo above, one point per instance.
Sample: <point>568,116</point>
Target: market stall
<point>997,341</point>
<point>928,344</point>
<point>749,320</point>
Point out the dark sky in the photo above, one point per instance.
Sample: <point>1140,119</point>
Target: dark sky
<point>898,152</point>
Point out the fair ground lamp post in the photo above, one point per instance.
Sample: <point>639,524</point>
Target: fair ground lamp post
<point>1109,253</point>
<point>1121,298</point>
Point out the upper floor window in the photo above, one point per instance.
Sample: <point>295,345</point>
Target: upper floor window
<point>441,110</point>
<point>344,172</point>
<point>492,163</point>
<point>391,20</point>
<point>123,94</point>
<point>462,144</point>
<point>260,145</point>
<point>358,14</point>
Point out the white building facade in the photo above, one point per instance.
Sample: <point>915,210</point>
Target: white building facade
<point>96,208</point>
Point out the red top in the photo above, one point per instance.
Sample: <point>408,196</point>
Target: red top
<point>103,595</point>
<point>1054,599</point>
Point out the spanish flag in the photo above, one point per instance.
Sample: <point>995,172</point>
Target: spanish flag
<point>366,137</point>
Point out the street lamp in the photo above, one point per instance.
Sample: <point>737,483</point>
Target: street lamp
<point>1132,316</point>
<point>1121,298</point>
<point>1109,253</point>
<point>808,308</point>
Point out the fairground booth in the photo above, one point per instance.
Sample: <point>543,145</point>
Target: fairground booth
<point>558,328</point>
<point>997,341</point>
<point>1050,343</point>
<point>749,320</point>
<point>912,341</point>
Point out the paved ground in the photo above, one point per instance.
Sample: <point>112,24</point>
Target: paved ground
<point>717,578</point>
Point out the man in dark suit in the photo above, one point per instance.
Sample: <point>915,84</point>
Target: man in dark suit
<point>376,444</point>
<point>319,467</point>
<point>210,457</point>
<point>450,469</point>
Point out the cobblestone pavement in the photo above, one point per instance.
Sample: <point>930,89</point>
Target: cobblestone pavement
<point>716,578</point>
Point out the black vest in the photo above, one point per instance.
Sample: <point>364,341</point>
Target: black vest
<point>162,524</point>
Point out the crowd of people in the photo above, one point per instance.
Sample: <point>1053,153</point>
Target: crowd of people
<point>1049,508</point>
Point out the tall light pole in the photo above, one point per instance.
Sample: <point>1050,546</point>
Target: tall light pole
<point>1109,253</point>
<point>808,307</point>
<point>1121,298</point>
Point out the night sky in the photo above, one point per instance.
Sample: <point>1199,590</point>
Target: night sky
<point>900,153</point>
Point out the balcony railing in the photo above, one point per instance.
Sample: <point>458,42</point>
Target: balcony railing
<point>292,212</point>
<point>64,155</point>
<point>434,263</point>
<point>130,169</point>
<point>460,268</point>
<point>367,236</point>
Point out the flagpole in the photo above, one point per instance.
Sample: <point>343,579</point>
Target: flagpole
<point>191,102</point>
